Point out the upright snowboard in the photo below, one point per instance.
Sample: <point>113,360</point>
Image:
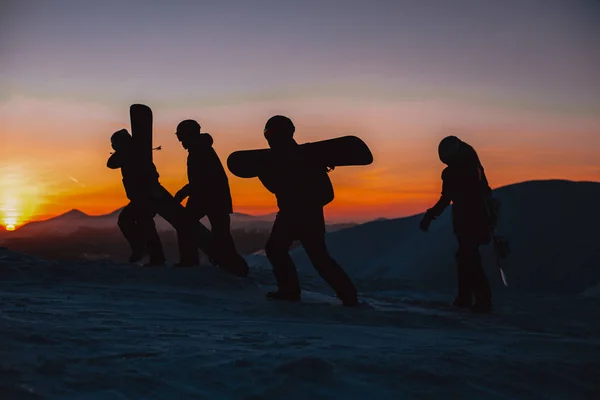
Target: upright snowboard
<point>141,119</point>
<point>337,152</point>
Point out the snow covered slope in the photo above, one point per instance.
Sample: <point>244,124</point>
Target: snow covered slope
<point>100,330</point>
<point>553,228</point>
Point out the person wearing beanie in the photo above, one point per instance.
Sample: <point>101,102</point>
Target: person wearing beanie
<point>148,198</point>
<point>208,193</point>
<point>466,187</point>
<point>302,190</point>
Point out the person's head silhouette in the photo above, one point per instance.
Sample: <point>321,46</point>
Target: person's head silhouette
<point>187,131</point>
<point>120,139</point>
<point>279,131</point>
<point>448,149</point>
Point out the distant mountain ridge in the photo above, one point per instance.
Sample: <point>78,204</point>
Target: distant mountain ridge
<point>74,219</point>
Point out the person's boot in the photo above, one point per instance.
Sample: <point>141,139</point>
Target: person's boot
<point>186,264</point>
<point>189,259</point>
<point>483,300</point>
<point>482,307</point>
<point>348,295</point>
<point>350,301</point>
<point>293,296</point>
<point>462,301</point>
<point>238,266</point>
<point>155,263</point>
<point>137,255</point>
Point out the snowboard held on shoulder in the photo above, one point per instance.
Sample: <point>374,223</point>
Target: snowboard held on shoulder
<point>336,152</point>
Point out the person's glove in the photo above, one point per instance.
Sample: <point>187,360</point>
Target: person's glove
<point>179,196</point>
<point>426,221</point>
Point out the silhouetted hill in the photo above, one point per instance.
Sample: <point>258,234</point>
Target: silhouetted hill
<point>73,220</point>
<point>552,226</point>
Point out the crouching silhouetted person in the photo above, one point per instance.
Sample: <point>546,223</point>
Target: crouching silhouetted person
<point>209,193</point>
<point>302,190</point>
<point>466,187</point>
<point>148,198</point>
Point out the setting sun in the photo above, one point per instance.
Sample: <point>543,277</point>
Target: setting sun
<point>19,196</point>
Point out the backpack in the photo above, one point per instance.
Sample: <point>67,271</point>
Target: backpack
<point>492,209</point>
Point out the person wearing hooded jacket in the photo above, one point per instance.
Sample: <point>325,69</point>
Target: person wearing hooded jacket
<point>148,198</point>
<point>302,189</point>
<point>208,193</point>
<point>466,187</point>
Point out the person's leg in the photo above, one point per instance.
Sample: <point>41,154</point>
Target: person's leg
<point>132,232</point>
<point>202,236</point>
<point>277,251</point>
<point>313,241</point>
<point>174,213</point>
<point>481,286</point>
<point>145,222</point>
<point>222,243</point>
<point>220,227</point>
<point>464,298</point>
<point>474,275</point>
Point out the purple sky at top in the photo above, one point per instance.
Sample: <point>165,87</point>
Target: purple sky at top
<point>540,54</point>
<point>518,79</point>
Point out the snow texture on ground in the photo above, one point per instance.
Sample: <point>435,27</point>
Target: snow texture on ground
<point>100,330</point>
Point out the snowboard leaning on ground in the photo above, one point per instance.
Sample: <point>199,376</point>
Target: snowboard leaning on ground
<point>336,152</point>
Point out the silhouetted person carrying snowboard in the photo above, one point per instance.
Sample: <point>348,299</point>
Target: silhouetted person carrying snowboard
<point>135,220</point>
<point>208,192</point>
<point>302,190</point>
<point>148,198</point>
<point>466,187</point>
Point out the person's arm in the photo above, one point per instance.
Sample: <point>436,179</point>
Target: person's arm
<point>197,169</point>
<point>182,193</point>
<point>268,181</point>
<point>203,173</point>
<point>440,206</point>
<point>115,161</point>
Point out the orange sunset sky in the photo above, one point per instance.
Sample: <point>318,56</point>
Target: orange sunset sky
<point>519,82</point>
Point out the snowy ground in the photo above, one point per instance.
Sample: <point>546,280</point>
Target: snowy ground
<point>102,330</point>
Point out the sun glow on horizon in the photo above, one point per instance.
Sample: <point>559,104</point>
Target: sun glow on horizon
<point>19,197</point>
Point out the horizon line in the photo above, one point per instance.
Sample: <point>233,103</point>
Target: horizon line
<point>356,220</point>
